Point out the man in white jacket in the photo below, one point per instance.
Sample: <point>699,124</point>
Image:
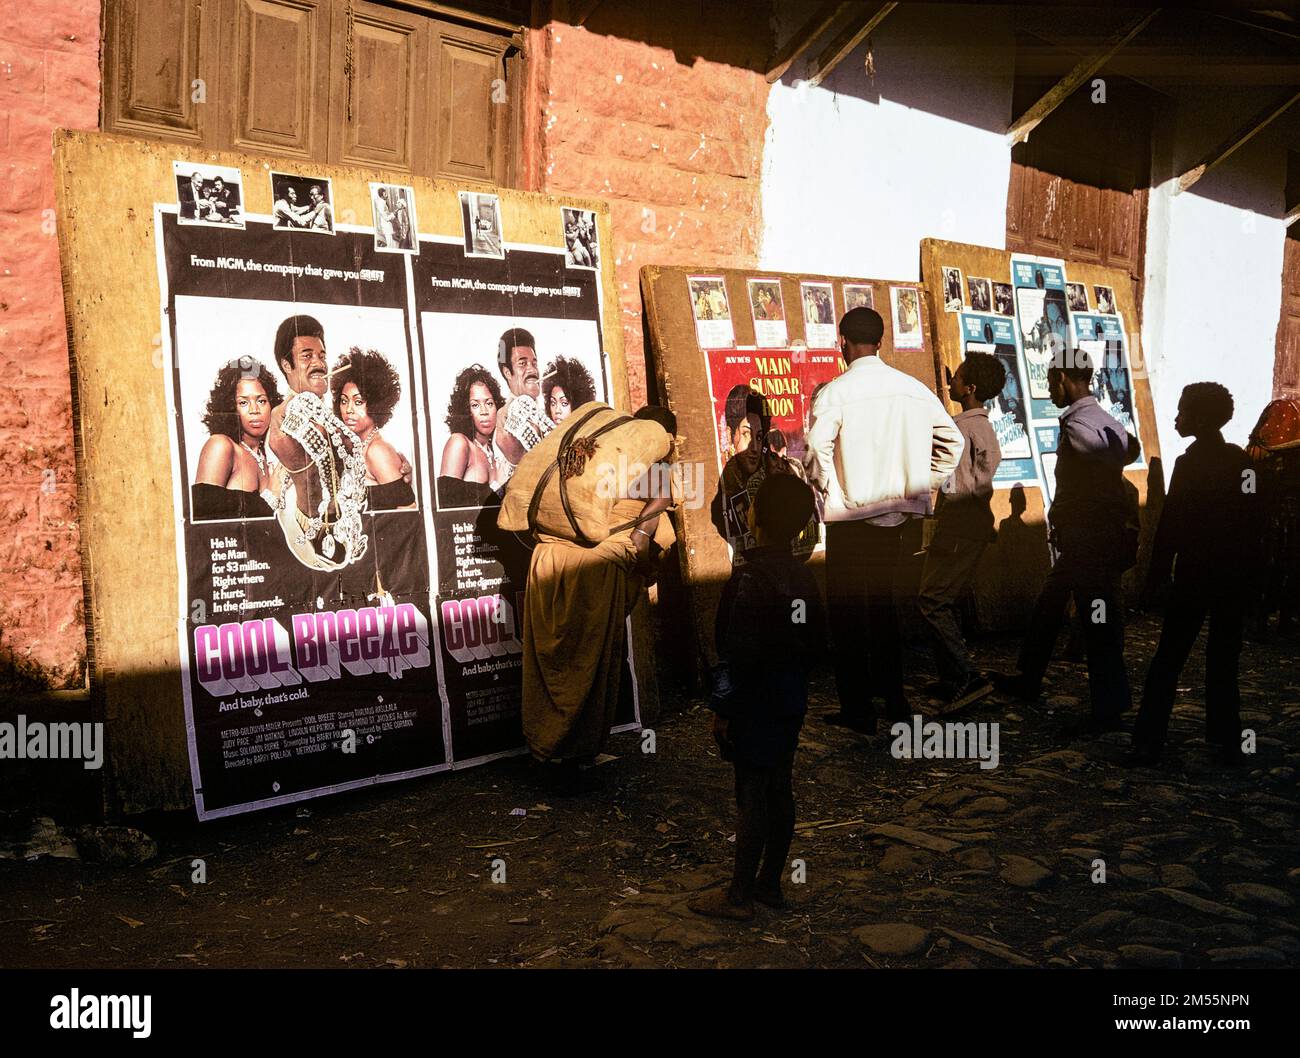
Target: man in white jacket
<point>879,443</point>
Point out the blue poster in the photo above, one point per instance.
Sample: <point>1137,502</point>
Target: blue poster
<point>1102,338</point>
<point>1008,411</point>
<point>1042,320</point>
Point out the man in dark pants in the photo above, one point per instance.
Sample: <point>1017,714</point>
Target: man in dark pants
<point>1206,529</point>
<point>1095,536</point>
<point>879,442</point>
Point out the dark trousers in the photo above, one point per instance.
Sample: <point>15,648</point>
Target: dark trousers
<point>862,563</point>
<point>950,565</point>
<point>764,825</point>
<point>1189,605</point>
<point>1089,575</point>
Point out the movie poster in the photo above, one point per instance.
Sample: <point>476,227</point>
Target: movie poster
<point>787,382</point>
<point>1103,339</point>
<point>1042,318</point>
<point>509,352</point>
<point>344,418</point>
<point>299,487</point>
<point>1008,412</point>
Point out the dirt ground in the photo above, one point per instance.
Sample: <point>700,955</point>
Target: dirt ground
<point>907,862</point>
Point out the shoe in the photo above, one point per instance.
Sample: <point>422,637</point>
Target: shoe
<point>973,690</point>
<point>1093,726</point>
<point>1140,757</point>
<point>1016,686</point>
<point>716,903</point>
<point>861,724</point>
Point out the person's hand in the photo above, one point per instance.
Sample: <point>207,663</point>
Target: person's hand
<point>405,470</point>
<point>721,731</point>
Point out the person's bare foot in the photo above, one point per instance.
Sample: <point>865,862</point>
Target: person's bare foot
<point>717,903</point>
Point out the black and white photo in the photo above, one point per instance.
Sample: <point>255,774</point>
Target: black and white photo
<point>581,240</point>
<point>952,299</point>
<point>1003,300</point>
<point>209,194</point>
<point>1105,300</point>
<point>396,228</point>
<point>302,203</point>
<point>981,298</point>
<point>481,216</point>
<point>1076,297</point>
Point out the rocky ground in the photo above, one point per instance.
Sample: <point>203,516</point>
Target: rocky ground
<point>907,862</point>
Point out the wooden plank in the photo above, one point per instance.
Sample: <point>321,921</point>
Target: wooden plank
<point>840,48</point>
<point>817,25</point>
<point>1238,139</point>
<point>1018,131</point>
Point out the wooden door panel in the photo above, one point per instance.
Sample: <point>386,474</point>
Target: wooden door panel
<point>151,64</point>
<point>274,92</point>
<point>472,107</point>
<point>1286,363</point>
<point>1085,223</point>
<point>381,105</point>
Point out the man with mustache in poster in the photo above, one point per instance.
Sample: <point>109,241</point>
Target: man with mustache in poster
<point>522,422</point>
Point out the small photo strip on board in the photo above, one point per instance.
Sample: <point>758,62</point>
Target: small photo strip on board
<point>481,216</point>
<point>209,194</point>
<point>302,203</point>
<point>396,227</point>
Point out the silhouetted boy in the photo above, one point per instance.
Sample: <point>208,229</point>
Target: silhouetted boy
<point>770,630</point>
<point>1204,539</point>
<point>964,528</point>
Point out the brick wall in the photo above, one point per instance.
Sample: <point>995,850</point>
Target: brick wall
<point>49,78</point>
<point>657,109</point>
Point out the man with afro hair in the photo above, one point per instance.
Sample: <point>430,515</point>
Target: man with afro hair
<point>1202,545</point>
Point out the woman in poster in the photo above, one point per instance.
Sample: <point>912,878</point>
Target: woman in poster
<point>366,389</point>
<point>233,468</point>
<point>565,386</point>
<point>470,454</point>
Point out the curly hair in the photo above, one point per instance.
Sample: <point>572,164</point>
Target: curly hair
<point>375,379</point>
<point>221,414</point>
<point>1209,402</point>
<point>986,373</point>
<point>570,375</point>
<point>458,418</point>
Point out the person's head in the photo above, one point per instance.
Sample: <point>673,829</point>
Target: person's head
<point>383,194</point>
<point>658,413</point>
<point>475,399</point>
<point>196,180</point>
<point>565,386</point>
<point>861,330</point>
<point>776,441</point>
<point>1204,408</point>
<point>517,360</point>
<point>218,184</point>
<point>782,507</point>
<point>750,431</point>
<point>980,376</point>
<point>315,193</point>
<point>300,354</point>
<point>241,400</point>
<point>1039,281</point>
<point>1069,379</point>
<point>291,193</point>
<point>366,389</point>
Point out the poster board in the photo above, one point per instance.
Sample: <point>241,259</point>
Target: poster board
<point>163,292</point>
<point>763,327</point>
<point>1065,295</point>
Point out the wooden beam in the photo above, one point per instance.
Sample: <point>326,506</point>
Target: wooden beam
<point>1018,131</point>
<point>1292,215</point>
<point>581,10</point>
<point>854,34</point>
<point>1237,140</point>
<point>797,44</point>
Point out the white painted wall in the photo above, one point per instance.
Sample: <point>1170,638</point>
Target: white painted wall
<point>1213,264</point>
<point>856,173</point>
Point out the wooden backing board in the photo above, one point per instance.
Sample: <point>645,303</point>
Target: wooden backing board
<point>682,384</point>
<point>106,186</point>
<point>1012,569</point>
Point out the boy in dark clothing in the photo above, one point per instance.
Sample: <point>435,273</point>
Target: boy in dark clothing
<point>964,528</point>
<point>1203,537</point>
<point>770,630</point>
